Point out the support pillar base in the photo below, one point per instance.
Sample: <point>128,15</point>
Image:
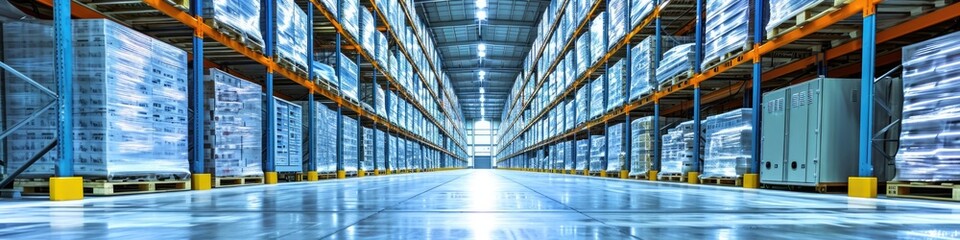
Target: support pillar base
<point>270,178</point>
<point>341,174</point>
<point>693,177</point>
<point>751,180</point>
<point>200,181</point>
<point>862,187</point>
<point>66,188</point>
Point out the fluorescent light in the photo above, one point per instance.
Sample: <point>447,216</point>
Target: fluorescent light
<point>481,4</point>
<point>482,54</point>
<point>482,47</point>
<point>482,99</point>
<point>483,73</point>
<point>482,15</point>
<point>482,90</point>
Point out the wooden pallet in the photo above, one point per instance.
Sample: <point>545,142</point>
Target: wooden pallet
<point>180,4</point>
<point>676,80</point>
<point>944,191</point>
<point>805,16</point>
<point>108,188</point>
<point>234,34</point>
<point>674,177</point>
<point>290,65</point>
<point>639,177</point>
<point>236,181</point>
<point>713,63</point>
<point>724,181</point>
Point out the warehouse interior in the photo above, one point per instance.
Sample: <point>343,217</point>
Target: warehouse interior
<point>479,119</point>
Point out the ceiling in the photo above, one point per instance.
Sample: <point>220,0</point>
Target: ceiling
<point>508,33</point>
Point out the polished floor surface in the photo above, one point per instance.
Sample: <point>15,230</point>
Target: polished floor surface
<point>480,204</point>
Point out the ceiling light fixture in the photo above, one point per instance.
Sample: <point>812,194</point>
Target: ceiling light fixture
<point>481,15</point>
<point>481,4</point>
<point>482,91</point>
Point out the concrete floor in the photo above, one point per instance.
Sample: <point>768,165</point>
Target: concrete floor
<point>480,204</point>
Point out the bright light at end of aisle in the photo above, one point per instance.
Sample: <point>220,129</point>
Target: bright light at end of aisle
<point>482,15</point>
<point>481,4</point>
<point>483,73</point>
<point>482,91</point>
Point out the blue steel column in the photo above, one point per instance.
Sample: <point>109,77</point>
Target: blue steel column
<point>627,137</point>
<point>696,88</point>
<point>196,96</point>
<point>270,119</point>
<point>63,73</point>
<point>311,106</point>
<point>386,136</point>
<point>755,91</point>
<point>867,91</point>
<point>339,73</point>
<point>658,39</point>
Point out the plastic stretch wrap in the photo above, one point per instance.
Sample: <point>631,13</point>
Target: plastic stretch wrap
<point>393,107</point>
<point>676,61</point>
<point>232,126</point>
<point>351,146</point>
<point>643,81</point>
<point>782,11</point>
<point>677,150</point>
<point>617,10</point>
<point>727,152</point>
<point>598,38</point>
<point>325,122</point>
<point>392,153</point>
<point>561,119</point>
<point>639,10</point>
<point>598,153</point>
<point>130,111</point>
<point>563,152</point>
<point>324,72</point>
<point>617,85</point>
<point>616,157</point>
<point>348,74</point>
<point>642,149</point>
<point>570,115</point>
<point>381,158</point>
<point>383,50</point>
<point>583,54</point>
<point>290,30</point>
<point>556,160</point>
<point>597,97</point>
<point>583,103</point>
<point>583,154</point>
<point>368,31</point>
<point>379,103</point>
<point>289,136</point>
<point>242,16</point>
<point>928,132</point>
<point>410,157</point>
<point>331,5</point>
<point>728,28</point>
<point>366,161</point>
<point>351,16</point>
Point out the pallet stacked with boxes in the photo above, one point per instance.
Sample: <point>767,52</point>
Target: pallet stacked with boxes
<point>728,148</point>
<point>290,28</point>
<point>288,155</point>
<point>643,147</point>
<point>677,152</point>
<point>232,124</point>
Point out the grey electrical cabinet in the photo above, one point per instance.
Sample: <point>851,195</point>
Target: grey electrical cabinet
<point>810,133</point>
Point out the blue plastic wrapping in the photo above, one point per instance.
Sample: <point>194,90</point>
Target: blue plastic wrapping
<point>928,142</point>
<point>290,30</point>
<point>727,152</point>
<point>368,31</point>
<point>348,74</point>
<point>571,120</point>
<point>583,104</point>
<point>598,98</point>
<point>379,104</point>
<point>617,10</point>
<point>241,16</point>
<point>392,151</point>
<point>232,126</point>
<point>639,10</point>
<point>728,29</point>
<point>676,62</point>
<point>130,95</point>
<point>642,149</point>
<point>782,11</point>
<point>643,82</point>
<point>598,153</point>
<point>583,53</point>
<point>351,16</point>
<point>615,150</point>
<point>677,150</point>
<point>598,38</point>
<point>351,147</point>
<point>616,85</point>
<point>288,127</point>
<point>366,160</point>
<point>583,154</point>
<point>325,121</point>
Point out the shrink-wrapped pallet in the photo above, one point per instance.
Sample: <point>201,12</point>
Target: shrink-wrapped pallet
<point>239,16</point>
<point>642,145</point>
<point>728,29</point>
<point>598,97</point>
<point>644,80</point>
<point>928,131</point>
<point>583,154</point>
<point>678,61</point>
<point>232,126</point>
<point>677,150</point>
<point>392,150</point>
<point>570,115</point>
<point>583,104</point>
<point>290,28</point>
<point>288,129</point>
<point>130,101</point>
<point>616,85</point>
<point>325,149</point>
<point>351,16</point>
<point>639,10</point>
<point>367,159</point>
<point>727,152</point>
<point>350,145</point>
<point>598,153</point>
<point>348,72</point>
<point>782,11</point>
<point>380,154</point>
<point>598,38</point>
<point>615,150</point>
<point>617,10</point>
<point>373,95</point>
<point>368,31</point>
<point>583,53</point>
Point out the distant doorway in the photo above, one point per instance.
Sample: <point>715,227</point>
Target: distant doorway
<point>482,162</point>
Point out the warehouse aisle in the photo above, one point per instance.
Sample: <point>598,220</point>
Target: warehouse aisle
<point>480,204</point>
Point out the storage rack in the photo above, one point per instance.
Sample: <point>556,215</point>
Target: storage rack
<point>181,25</point>
<point>814,46</point>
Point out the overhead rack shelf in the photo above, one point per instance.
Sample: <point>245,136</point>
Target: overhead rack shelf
<point>732,75</point>
<point>179,26</point>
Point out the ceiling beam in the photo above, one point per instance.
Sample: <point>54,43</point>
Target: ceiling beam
<point>488,23</point>
<point>489,44</point>
<point>477,69</point>
<point>488,57</point>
